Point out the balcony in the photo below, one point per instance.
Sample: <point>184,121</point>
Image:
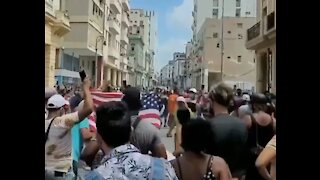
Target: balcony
<point>49,7</point>
<point>114,25</point>
<point>124,38</point>
<point>136,36</point>
<point>255,36</point>
<point>125,5</point>
<point>113,53</point>
<point>62,25</point>
<point>123,60</point>
<point>125,19</point>
<point>254,31</point>
<point>116,6</point>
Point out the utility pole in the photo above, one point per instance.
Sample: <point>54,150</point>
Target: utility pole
<point>222,44</point>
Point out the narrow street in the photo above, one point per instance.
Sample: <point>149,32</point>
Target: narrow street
<point>169,142</point>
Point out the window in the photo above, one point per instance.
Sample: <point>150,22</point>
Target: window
<point>215,35</point>
<point>229,32</point>
<point>135,21</point>
<point>248,13</point>
<point>238,3</point>
<point>240,36</point>
<point>94,8</point>
<point>132,48</point>
<point>239,59</point>
<point>229,57</point>
<point>239,25</point>
<point>238,12</point>
<point>215,13</point>
<point>215,3</point>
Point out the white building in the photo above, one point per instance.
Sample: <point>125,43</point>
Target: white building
<point>165,75</point>
<point>144,25</point>
<point>188,63</point>
<point>179,69</point>
<point>213,9</point>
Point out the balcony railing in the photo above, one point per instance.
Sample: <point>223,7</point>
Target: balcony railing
<point>254,31</point>
<point>270,21</point>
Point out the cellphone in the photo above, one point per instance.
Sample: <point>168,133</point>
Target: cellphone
<point>83,75</point>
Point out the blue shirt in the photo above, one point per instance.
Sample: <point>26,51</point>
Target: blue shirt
<point>77,141</point>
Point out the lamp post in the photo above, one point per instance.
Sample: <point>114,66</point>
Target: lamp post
<point>99,38</point>
<point>222,44</point>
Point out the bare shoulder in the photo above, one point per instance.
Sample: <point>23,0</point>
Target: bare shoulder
<point>219,161</point>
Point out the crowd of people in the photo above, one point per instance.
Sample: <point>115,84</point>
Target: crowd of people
<point>223,134</point>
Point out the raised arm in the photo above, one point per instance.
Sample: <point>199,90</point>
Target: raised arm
<point>88,101</point>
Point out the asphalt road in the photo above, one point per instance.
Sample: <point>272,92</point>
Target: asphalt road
<point>168,142</point>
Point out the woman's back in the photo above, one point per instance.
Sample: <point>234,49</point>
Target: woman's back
<point>196,135</point>
<point>201,167</point>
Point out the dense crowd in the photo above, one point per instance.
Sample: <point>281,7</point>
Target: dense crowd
<point>223,134</point>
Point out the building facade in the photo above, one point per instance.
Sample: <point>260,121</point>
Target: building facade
<point>143,27</point>
<point>179,70</point>
<point>99,38</point>
<point>238,62</point>
<point>213,9</point>
<point>56,27</point>
<point>261,38</point>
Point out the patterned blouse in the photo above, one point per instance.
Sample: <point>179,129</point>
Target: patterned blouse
<point>126,162</point>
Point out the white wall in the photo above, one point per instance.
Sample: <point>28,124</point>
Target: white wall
<point>205,8</point>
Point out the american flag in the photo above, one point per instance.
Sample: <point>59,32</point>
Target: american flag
<point>151,106</point>
<point>99,98</point>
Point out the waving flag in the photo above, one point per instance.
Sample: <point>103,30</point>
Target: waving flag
<point>151,106</point>
<point>99,98</point>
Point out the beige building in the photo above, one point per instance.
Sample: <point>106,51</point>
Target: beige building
<point>261,38</point>
<point>238,62</point>
<point>99,38</point>
<point>142,37</point>
<point>56,27</point>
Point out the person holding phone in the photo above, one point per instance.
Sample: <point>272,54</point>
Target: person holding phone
<point>58,142</point>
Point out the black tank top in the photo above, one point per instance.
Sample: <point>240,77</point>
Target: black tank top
<point>263,133</point>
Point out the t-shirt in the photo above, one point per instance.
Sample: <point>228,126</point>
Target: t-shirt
<point>145,136</point>
<point>58,147</point>
<point>172,103</point>
<point>244,110</point>
<point>230,140</point>
<point>77,141</point>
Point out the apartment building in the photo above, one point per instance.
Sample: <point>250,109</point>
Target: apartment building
<point>179,69</point>
<point>99,40</point>
<point>188,64</point>
<point>142,32</point>
<point>56,27</point>
<point>213,9</point>
<point>261,38</point>
<point>238,62</point>
<point>165,75</point>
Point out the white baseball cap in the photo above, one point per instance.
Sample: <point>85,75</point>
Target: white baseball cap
<point>193,90</point>
<point>181,99</point>
<point>246,97</point>
<point>56,101</point>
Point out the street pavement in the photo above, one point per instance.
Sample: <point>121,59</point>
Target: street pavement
<point>168,142</point>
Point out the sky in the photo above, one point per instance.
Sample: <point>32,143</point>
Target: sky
<point>174,26</point>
